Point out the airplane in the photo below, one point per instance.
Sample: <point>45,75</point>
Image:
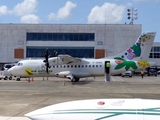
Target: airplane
<point>100,109</point>
<point>66,66</point>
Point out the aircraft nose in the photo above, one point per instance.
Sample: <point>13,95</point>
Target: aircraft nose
<point>11,70</point>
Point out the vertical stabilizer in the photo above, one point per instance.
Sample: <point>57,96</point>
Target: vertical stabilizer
<point>141,49</point>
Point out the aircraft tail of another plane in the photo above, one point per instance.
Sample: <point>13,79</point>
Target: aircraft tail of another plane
<point>141,49</point>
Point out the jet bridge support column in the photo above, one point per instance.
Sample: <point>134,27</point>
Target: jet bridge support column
<point>107,71</point>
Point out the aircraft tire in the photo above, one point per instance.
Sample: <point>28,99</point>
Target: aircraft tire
<point>76,79</point>
<point>18,79</point>
<point>73,79</point>
<point>5,78</point>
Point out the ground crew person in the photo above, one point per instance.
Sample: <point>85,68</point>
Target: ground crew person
<point>108,64</point>
<point>142,73</point>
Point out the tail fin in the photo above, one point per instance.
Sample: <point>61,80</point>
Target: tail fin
<point>141,49</point>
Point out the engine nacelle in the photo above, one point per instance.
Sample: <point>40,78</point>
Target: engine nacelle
<point>63,74</point>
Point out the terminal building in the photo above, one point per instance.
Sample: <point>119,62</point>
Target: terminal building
<point>24,41</point>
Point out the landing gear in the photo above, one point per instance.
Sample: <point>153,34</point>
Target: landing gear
<point>18,79</point>
<point>10,78</point>
<point>74,79</point>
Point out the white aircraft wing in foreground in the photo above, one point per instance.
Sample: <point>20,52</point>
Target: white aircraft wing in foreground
<point>100,109</point>
<point>65,66</point>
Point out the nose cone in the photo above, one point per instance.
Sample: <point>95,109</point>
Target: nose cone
<point>16,71</point>
<point>11,70</point>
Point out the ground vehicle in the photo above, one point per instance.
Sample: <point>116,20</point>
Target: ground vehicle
<point>6,74</point>
<point>158,72</point>
<point>152,72</point>
<point>127,73</point>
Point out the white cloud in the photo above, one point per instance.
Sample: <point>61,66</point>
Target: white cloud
<point>63,12</point>
<point>30,18</point>
<point>26,7</point>
<point>107,13</point>
<point>3,10</point>
<point>25,10</point>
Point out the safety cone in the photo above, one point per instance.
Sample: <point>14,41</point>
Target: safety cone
<point>32,79</point>
<point>29,80</point>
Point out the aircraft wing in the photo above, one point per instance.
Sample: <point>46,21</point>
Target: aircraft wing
<point>69,59</point>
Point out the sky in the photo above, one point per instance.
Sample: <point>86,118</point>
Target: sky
<point>82,12</point>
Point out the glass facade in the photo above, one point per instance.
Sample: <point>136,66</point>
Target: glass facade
<point>60,37</point>
<point>80,52</point>
<point>155,52</point>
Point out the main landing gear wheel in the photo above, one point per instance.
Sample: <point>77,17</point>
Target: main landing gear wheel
<point>18,79</point>
<point>75,79</point>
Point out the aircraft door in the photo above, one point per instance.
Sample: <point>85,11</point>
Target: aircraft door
<point>107,70</point>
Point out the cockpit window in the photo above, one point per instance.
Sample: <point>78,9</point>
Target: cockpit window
<point>19,64</point>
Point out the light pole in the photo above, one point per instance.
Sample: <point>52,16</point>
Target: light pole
<point>132,14</point>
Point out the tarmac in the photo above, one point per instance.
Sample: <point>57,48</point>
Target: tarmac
<point>20,97</point>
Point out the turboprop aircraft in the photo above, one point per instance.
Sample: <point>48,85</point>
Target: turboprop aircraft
<point>66,66</point>
<point>100,109</point>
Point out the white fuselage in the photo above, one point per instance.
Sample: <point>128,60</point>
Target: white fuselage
<point>87,67</point>
<point>100,109</point>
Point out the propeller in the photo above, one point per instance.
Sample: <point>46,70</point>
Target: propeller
<point>55,53</point>
<point>46,60</point>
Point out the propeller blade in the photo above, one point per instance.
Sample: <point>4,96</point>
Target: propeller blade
<point>46,60</point>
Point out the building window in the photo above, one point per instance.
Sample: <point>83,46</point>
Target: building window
<point>155,52</point>
<point>60,37</point>
<point>80,52</point>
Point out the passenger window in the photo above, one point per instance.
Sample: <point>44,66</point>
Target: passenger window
<point>85,65</point>
<point>79,66</point>
<point>75,66</point>
<point>92,65</point>
<point>96,65</point>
